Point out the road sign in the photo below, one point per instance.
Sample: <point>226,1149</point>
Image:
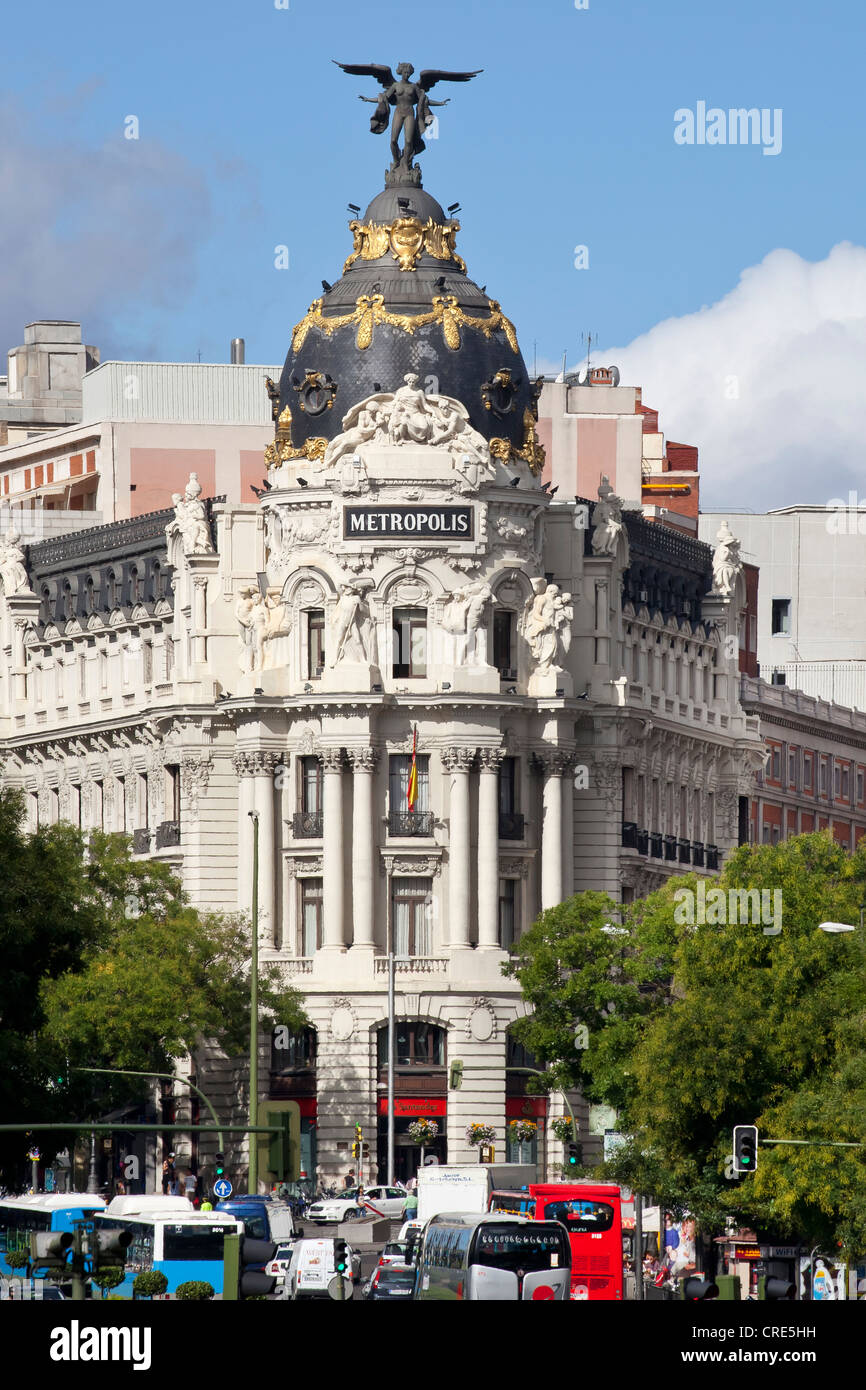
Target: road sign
<point>223,1188</point>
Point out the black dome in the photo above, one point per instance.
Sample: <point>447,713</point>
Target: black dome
<point>428,318</point>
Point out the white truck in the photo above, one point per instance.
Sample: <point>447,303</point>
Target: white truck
<point>466,1186</point>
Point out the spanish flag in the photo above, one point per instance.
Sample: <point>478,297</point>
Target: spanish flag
<point>412,792</point>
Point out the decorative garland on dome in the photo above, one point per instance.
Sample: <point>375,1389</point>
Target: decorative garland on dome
<point>370,310</point>
<point>406,238</point>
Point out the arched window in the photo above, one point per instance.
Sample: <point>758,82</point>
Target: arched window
<point>415,1045</point>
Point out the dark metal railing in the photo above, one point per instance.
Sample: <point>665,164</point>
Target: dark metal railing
<point>510,825</point>
<point>410,823</point>
<point>307,825</point>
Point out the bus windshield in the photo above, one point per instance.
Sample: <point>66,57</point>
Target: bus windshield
<point>581,1215</point>
<point>521,1249</point>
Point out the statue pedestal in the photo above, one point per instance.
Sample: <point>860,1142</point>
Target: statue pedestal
<point>470,680</point>
<point>268,682</point>
<point>349,678</point>
<point>543,685</point>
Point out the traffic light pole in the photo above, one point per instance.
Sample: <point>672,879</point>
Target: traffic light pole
<point>390,1068</point>
<point>161,1076</point>
<point>253,1174</point>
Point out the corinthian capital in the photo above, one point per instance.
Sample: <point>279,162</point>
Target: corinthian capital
<point>457,759</point>
<point>332,759</point>
<point>552,762</point>
<point>363,759</point>
<point>491,759</point>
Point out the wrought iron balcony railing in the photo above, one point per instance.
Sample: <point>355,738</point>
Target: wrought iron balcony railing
<point>510,825</point>
<point>410,823</point>
<point>307,825</point>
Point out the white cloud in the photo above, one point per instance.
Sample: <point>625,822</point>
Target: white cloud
<point>768,382</point>
<point>93,234</point>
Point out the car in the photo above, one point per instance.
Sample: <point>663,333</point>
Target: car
<point>385,1201</point>
<point>394,1253</point>
<point>278,1267</point>
<point>408,1226</point>
<point>390,1281</point>
<point>344,1207</point>
<point>53,1293</point>
<point>311,1269</point>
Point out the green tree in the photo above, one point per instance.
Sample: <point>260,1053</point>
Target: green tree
<point>719,1024</point>
<point>107,965</point>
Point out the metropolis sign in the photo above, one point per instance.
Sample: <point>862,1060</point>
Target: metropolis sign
<point>396,523</point>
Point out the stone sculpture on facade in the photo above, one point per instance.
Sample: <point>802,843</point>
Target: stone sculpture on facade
<point>190,522</point>
<point>409,416</point>
<point>12,568</point>
<point>727,564</point>
<point>463,618</point>
<point>546,626</point>
<point>607,525</point>
<point>263,621</point>
<point>353,631</point>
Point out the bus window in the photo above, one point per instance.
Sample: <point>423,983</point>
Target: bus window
<point>580,1215</point>
<point>520,1248</point>
<point>193,1243</point>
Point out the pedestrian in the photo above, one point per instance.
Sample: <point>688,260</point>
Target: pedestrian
<point>167,1174</point>
<point>350,1179</point>
<point>207,1206</point>
<point>410,1206</point>
<point>190,1186</point>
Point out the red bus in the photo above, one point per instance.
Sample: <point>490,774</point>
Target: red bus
<point>592,1215</point>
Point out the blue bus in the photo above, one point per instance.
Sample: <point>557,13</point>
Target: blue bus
<point>168,1234</point>
<point>20,1217</point>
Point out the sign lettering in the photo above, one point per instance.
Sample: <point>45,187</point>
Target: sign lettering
<point>396,523</point>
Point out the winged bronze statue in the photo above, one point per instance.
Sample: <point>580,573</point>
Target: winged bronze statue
<point>412,106</point>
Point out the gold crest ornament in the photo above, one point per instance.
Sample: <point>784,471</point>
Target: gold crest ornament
<point>282,450</point>
<point>370,310</point>
<point>531,451</point>
<point>406,238</point>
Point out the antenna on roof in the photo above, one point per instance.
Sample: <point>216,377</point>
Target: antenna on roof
<point>583,375</point>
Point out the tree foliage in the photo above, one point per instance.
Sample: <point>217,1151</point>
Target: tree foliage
<point>694,1028</point>
<point>107,965</point>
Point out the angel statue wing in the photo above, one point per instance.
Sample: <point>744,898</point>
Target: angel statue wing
<point>382,73</point>
<point>430,76</point>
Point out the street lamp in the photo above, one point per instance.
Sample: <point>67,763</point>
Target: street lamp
<point>834,928</point>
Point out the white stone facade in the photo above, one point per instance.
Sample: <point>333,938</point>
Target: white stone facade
<point>406,586</point>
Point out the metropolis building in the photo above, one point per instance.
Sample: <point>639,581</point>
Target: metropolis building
<point>564,669</point>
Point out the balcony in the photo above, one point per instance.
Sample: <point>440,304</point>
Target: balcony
<point>307,825</point>
<point>712,857</point>
<point>510,825</point>
<point>413,965</point>
<point>629,834</point>
<point>656,847</point>
<point>404,823</point>
<point>698,854</point>
<point>684,851</point>
<point>141,841</point>
<point>670,847</point>
<point>642,842</point>
<point>168,834</point>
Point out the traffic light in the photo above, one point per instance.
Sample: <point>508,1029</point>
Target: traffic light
<point>108,1248</point>
<point>698,1290</point>
<point>455,1076</point>
<point>771,1289</point>
<point>244,1261</point>
<point>341,1257</point>
<point>48,1250</point>
<point>745,1149</point>
<point>220,1165</point>
<point>280,1146</point>
<point>572,1153</point>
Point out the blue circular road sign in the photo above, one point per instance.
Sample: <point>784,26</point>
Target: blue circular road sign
<point>223,1188</point>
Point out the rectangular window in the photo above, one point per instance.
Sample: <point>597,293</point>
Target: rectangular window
<point>508,786</point>
<point>315,642</point>
<point>777,765</point>
<point>103,672</point>
<point>412,916</point>
<point>410,643</point>
<point>82,677</point>
<point>808,765</point>
<point>147,661</point>
<point>310,916</point>
<point>508,927</point>
<point>311,785</point>
<point>172,792</point>
<point>793,768</point>
<point>781,617</point>
<point>846,783</point>
<point>399,766</point>
<point>503,643</point>
<point>98,812</point>
<point>861,785</point>
<point>825,777</point>
<point>143,800</point>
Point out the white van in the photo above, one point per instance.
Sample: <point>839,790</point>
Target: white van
<point>312,1269</point>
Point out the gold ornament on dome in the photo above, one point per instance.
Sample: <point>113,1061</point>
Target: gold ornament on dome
<point>370,310</point>
<point>282,450</point>
<point>531,451</point>
<point>406,238</point>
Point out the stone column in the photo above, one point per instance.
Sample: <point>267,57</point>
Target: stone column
<point>568,828</point>
<point>263,802</point>
<point>243,765</point>
<point>363,761</point>
<point>552,765</point>
<point>457,762</point>
<point>490,761</point>
<point>332,858</point>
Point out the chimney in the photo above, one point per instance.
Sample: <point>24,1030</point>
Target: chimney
<point>237,352</point>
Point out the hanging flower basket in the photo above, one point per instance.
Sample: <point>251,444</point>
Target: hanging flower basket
<point>563,1130</point>
<point>423,1132</point>
<point>480,1134</point>
<point>522,1131</point>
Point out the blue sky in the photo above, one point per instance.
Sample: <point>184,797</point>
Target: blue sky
<point>251,138</point>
